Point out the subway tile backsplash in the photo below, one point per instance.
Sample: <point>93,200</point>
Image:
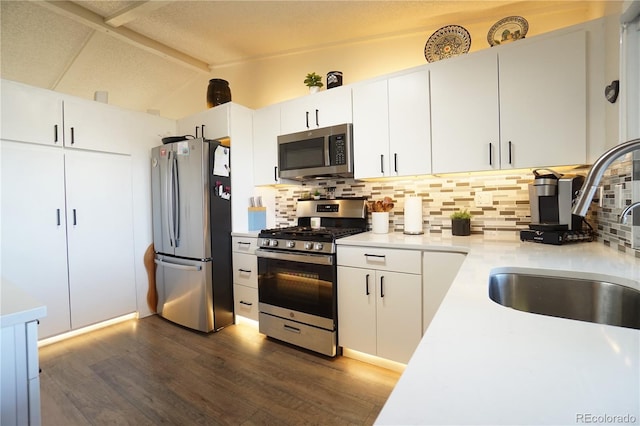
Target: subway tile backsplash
<point>508,194</point>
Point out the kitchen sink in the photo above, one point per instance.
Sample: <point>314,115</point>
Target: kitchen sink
<point>583,299</point>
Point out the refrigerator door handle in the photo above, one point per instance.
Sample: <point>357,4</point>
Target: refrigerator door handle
<point>177,266</point>
<point>176,201</point>
<point>168,187</point>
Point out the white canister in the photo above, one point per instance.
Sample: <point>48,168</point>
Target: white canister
<point>315,222</point>
<point>413,215</point>
<point>380,222</point>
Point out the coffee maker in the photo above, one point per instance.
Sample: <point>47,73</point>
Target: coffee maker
<point>551,197</point>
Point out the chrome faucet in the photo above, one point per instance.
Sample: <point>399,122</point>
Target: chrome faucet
<point>590,186</point>
<point>625,212</point>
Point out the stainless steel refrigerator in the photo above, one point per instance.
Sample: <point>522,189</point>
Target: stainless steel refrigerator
<point>191,191</point>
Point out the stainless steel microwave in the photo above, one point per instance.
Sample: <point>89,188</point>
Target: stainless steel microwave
<point>315,154</point>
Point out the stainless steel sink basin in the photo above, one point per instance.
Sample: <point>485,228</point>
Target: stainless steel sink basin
<point>581,299</point>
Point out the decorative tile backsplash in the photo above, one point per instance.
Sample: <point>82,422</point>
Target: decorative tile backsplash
<point>507,193</point>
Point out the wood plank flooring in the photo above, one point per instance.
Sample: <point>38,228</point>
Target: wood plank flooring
<point>149,372</point>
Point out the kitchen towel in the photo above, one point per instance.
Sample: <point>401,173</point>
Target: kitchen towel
<point>413,215</point>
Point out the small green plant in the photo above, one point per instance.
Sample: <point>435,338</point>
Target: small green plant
<point>313,79</point>
<point>317,193</point>
<point>461,214</point>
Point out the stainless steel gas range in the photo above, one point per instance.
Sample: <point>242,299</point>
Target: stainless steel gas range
<point>297,273</point>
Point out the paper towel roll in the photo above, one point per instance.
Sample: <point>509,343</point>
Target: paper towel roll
<point>413,215</point>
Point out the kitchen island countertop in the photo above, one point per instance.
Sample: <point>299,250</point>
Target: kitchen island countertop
<point>482,363</point>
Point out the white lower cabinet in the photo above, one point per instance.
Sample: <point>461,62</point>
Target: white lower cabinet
<point>245,277</point>
<point>439,271</point>
<point>67,232</point>
<point>379,308</point>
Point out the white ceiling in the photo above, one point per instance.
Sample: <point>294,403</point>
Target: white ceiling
<point>140,50</point>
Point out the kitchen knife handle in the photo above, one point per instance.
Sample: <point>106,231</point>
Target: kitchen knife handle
<point>75,219</point>
<point>366,285</point>
<point>395,162</point>
<point>73,136</point>
<point>382,163</point>
<point>382,286</point>
<point>55,133</point>
<point>58,216</point>
<point>509,152</point>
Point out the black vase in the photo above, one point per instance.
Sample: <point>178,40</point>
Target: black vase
<point>461,227</point>
<point>218,92</point>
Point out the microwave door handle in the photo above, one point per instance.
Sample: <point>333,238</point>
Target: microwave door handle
<point>327,158</point>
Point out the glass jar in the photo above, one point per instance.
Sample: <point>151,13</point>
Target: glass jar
<point>218,92</point>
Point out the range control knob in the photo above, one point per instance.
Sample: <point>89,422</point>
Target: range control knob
<point>319,246</point>
<point>273,243</point>
<point>308,246</point>
<point>264,242</point>
<point>291,244</point>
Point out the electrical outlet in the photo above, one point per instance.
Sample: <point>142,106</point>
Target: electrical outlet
<point>484,199</point>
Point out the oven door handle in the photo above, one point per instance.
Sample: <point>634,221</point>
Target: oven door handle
<point>318,259</point>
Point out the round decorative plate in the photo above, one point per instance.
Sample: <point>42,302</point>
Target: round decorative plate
<point>507,29</point>
<point>447,42</point>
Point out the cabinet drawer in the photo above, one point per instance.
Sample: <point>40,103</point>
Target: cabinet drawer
<point>244,244</point>
<point>245,269</point>
<point>408,261</point>
<point>246,301</point>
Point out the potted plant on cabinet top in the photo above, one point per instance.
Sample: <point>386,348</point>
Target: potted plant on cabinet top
<point>313,81</point>
<point>461,223</point>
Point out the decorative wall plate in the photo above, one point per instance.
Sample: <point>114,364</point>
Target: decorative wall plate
<point>447,42</point>
<point>507,29</point>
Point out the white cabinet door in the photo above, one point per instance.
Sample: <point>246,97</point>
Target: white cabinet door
<point>266,128</point>
<point>371,130</point>
<point>96,126</point>
<point>100,236</point>
<point>357,309</point>
<point>30,114</point>
<point>323,109</point>
<point>465,113</point>
<point>34,246</point>
<point>399,314</point>
<point>543,104</point>
<point>409,124</point>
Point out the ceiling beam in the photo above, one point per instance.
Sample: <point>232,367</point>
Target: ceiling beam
<point>93,20</point>
<point>133,12</point>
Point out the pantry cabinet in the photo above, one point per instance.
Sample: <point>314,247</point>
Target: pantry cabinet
<point>380,301</point>
<point>245,277</point>
<point>326,108</point>
<point>67,234</point>
<point>391,126</point>
<point>522,105</point>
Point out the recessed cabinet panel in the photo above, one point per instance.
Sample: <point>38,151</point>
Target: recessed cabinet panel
<point>34,241</point>
<point>100,230</point>
<point>325,108</point>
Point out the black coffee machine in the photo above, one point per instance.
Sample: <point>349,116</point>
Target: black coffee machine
<point>551,197</point>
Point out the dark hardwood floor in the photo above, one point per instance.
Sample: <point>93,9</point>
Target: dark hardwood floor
<point>150,372</point>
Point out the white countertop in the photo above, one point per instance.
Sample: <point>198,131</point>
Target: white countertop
<point>17,306</point>
<point>249,234</point>
<point>482,363</point>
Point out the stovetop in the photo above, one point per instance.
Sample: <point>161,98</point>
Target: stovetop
<point>304,238</point>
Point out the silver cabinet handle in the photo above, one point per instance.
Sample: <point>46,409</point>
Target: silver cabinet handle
<point>177,265</point>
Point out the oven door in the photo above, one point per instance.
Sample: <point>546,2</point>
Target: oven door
<point>300,287</point>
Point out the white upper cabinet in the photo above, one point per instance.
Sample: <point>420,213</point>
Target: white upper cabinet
<point>266,128</point>
<point>322,109</point>
<point>518,106</point>
<point>97,127</point>
<point>465,113</point>
<point>543,102</point>
<point>371,130</point>
<point>30,114</point>
<point>391,126</point>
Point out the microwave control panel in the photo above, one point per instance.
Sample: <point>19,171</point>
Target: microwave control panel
<point>338,150</point>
